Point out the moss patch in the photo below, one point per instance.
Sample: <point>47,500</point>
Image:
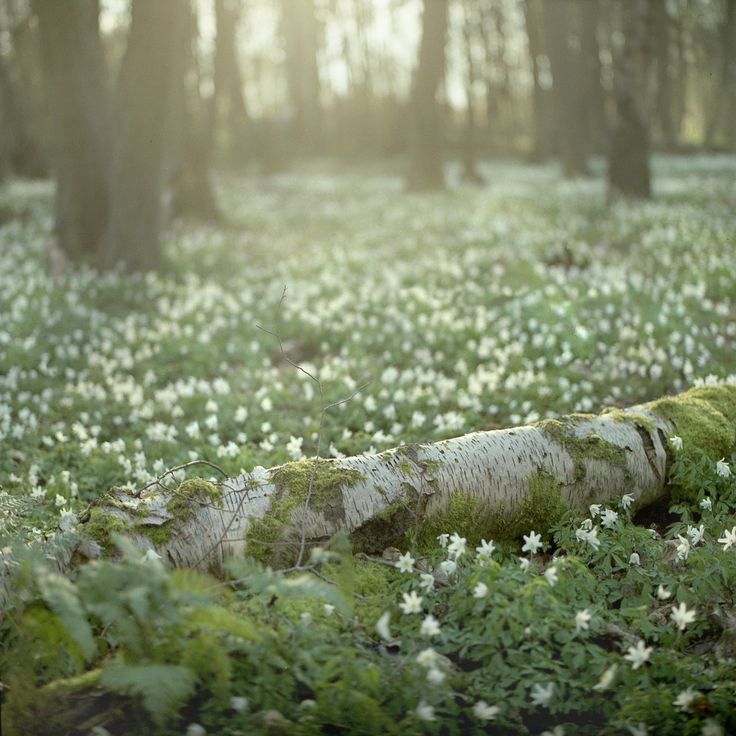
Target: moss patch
<point>704,417</point>
<point>101,525</point>
<point>191,493</point>
<point>465,515</point>
<point>539,510</point>
<point>588,447</point>
<point>292,482</point>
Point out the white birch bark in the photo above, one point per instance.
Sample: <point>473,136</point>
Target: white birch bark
<point>492,467</point>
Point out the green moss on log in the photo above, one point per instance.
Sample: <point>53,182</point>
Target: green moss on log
<point>292,488</point>
<point>705,417</point>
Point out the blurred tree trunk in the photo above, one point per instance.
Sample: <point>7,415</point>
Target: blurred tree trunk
<point>721,123</point>
<point>301,36</point>
<point>469,145</point>
<point>681,74</point>
<point>662,43</point>
<point>228,100</point>
<point>188,134</point>
<point>592,103</point>
<point>74,72</point>
<point>540,127</point>
<point>426,140</point>
<point>567,90</point>
<point>628,162</point>
<point>143,97</point>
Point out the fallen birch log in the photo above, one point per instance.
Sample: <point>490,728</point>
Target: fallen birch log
<point>512,480</point>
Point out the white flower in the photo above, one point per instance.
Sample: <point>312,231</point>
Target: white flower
<point>595,509</point>
<point>382,626</point>
<point>606,678</point>
<point>662,593</point>
<point>532,542</point>
<point>685,698</point>
<point>485,550</point>
<point>581,619</point>
<point>484,712</point>
<point>558,730</point>
<point>238,703</point>
<point>59,501</point>
<point>524,563</point>
<point>306,618</point>
<point>435,676</point>
<point>328,608</point>
<point>723,469</point>
<point>728,539</point>
<point>412,602</point>
<point>442,539</point>
<point>448,567</point>
<point>634,559</point>
<point>638,655</point>
<point>637,729</point>
<point>592,538</point>
<point>542,695</point>
<point>426,581</point>
<point>430,626</point>
<point>427,657</point>
<point>712,728</point>
<point>683,548</point>
<point>151,556</point>
<point>480,590</point>
<point>706,504</point>
<point>406,563</point>
<point>425,712</point>
<point>676,442</point>
<point>586,525</point>
<point>609,517</point>
<point>696,534</point>
<point>194,729</point>
<point>681,616</point>
<point>456,548</point>
<point>550,575</point>
<point>626,500</point>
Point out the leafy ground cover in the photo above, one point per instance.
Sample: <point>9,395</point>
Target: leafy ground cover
<point>470,309</point>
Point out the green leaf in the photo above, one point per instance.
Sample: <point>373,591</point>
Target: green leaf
<point>163,687</point>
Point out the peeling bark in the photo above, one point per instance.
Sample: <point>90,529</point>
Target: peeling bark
<point>586,458</point>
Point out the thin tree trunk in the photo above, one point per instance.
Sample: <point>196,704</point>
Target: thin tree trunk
<point>511,478</point>
<point>301,34</point>
<point>592,102</point>
<point>426,140</point>
<point>628,161</point>
<point>188,134</point>
<point>74,73</point>
<point>567,95</point>
<point>662,52</point>
<point>469,146</point>
<point>133,234</point>
<point>540,145</point>
<point>228,100</point>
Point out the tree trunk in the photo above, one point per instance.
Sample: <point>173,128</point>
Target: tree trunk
<point>662,43</point>
<point>722,120</point>
<point>426,140</point>
<point>144,86</point>
<point>188,134</point>
<point>469,144</point>
<point>592,102</point>
<point>628,160</point>
<point>301,35</point>
<point>74,73</point>
<point>567,93</point>
<point>540,138</point>
<point>228,99</point>
<point>514,480</point>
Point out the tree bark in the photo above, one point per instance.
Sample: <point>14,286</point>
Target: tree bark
<point>426,140</point>
<point>628,160</point>
<point>301,35</point>
<point>469,144</point>
<point>568,100</point>
<point>228,99</point>
<point>663,56</point>
<point>580,460</point>
<point>74,72</point>
<point>540,137</point>
<point>144,86</point>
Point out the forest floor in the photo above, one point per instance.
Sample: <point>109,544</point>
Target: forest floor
<point>474,308</point>
<point>469,309</point>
